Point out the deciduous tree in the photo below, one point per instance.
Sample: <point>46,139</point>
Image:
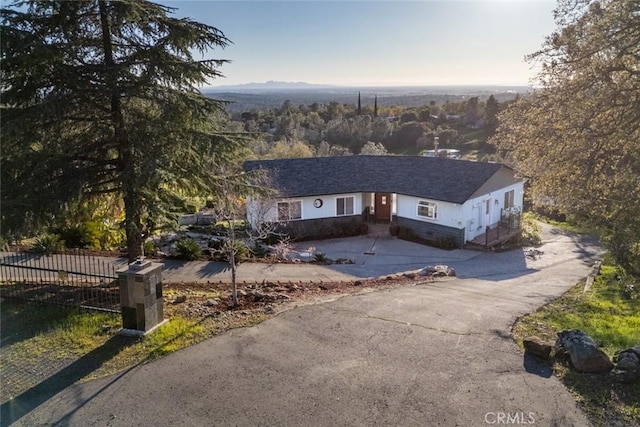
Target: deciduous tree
<point>578,137</point>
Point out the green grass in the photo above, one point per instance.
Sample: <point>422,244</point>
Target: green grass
<point>34,336</point>
<point>568,226</point>
<point>610,314</point>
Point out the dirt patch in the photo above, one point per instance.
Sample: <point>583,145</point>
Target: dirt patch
<point>197,300</point>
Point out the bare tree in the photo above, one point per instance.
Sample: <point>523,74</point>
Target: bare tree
<point>234,192</point>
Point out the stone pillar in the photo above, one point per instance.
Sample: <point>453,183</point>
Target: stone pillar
<point>141,297</point>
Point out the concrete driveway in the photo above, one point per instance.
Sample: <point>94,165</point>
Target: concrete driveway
<point>437,354</point>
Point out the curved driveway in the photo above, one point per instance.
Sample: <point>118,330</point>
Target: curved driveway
<point>437,354</point>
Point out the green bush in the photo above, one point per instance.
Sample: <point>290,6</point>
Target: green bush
<point>4,244</point>
<point>530,230</point>
<point>242,252</point>
<point>188,249</point>
<point>149,248</point>
<point>79,236</point>
<point>48,244</point>
<point>90,234</point>
<point>320,257</point>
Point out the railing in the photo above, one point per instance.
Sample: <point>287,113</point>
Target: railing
<point>74,278</point>
<point>509,223</point>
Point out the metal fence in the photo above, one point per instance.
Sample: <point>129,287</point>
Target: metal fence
<point>509,225</point>
<point>74,278</point>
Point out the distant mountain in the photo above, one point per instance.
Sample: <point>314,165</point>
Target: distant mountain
<point>270,85</point>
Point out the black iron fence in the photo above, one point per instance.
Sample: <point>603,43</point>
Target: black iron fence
<point>74,278</point>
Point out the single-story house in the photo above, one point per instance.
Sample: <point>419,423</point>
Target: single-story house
<point>434,198</point>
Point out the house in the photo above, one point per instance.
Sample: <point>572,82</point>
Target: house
<point>432,199</point>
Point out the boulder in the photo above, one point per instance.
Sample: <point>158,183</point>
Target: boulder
<point>627,368</point>
<point>583,351</point>
<point>437,270</point>
<point>628,361</point>
<point>536,346</point>
<point>626,377</point>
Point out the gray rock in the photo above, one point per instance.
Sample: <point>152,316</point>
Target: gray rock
<point>536,346</point>
<point>440,270</point>
<point>583,351</point>
<point>427,271</point>
<point>626,377</point>
<point>258,295</point>
<point>180,299</point>
<point>211,303</point>
<point>628,360</point>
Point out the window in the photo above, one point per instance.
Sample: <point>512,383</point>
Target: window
<point>344,205</point>
<point>509,198</point>
<point>428,209</point>
<point>289,210</point>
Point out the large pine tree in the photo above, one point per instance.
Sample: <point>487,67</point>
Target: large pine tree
<point>102,97</point>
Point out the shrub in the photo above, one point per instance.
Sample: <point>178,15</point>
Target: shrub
<point>82,235</point>
<point>149,248</point>
<point>320,257</point>
<point>4,244</point>
<point>242,252</point>
<point>48,244</point>
<point>188,249</point>
<point>530,230</point>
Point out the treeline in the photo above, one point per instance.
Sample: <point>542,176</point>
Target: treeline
<point>340,129</point>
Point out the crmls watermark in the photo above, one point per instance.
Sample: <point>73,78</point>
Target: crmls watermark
<point>510,418</point>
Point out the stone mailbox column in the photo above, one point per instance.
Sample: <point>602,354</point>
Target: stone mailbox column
<point>141,297</point>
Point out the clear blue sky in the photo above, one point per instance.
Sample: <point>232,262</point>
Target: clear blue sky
<point>362,43</point>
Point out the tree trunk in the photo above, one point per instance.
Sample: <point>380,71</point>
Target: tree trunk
<point>125,150</point>
<point>132,224</point>
<point>232,260</point>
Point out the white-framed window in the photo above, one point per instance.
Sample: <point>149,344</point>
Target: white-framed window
<point>427,209</point>
<point>289,210</point>
<point>509,199</point>
<point>345,205</point>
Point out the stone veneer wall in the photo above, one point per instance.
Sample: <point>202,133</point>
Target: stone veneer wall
<point>430,232</point>
<point>325,228</point>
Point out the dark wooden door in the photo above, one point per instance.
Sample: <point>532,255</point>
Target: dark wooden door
<point>383,207</point>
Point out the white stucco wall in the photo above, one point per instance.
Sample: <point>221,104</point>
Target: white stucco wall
<point>475,218</point>
<point>258,213</point>
<point>449,214</point>
<point>470,215</point>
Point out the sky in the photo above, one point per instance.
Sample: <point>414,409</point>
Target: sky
<point>376,43</point>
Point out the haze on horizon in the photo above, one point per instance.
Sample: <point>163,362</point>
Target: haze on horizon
<point>379,43</point>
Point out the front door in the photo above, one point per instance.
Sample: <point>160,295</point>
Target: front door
<point>383,207</point>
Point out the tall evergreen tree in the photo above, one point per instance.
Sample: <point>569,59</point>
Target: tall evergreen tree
<point>375,107</point>
<point>101,96</point>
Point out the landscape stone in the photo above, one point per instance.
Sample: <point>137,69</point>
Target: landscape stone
<point>440,270</point>
<point>536,346</point>
<point>627,368</point>
<point>627,377</point>
<point>583,351</point>
<point>180,299</point>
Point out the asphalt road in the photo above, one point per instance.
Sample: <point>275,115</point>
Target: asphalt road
<point>437,354</point>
